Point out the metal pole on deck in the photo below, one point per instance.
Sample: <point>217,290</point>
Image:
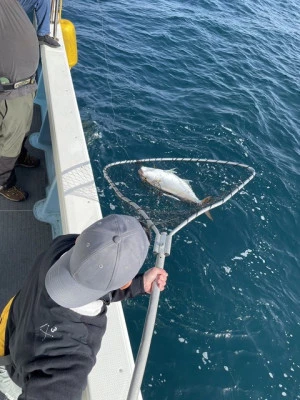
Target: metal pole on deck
<point>56,8</point>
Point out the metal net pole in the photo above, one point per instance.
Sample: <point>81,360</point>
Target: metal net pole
<point>141,360</point>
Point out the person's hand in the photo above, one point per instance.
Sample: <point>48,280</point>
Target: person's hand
<point>157,275</point>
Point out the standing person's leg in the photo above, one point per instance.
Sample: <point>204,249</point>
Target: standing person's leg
<point>28,5</point>
<point>15,121</point>
<point>25,159</point>
<point>42,12</point>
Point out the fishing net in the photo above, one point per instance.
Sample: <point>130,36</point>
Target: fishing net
<point>213,181</point>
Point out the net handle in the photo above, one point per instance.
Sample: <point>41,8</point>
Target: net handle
<point>142,356</point>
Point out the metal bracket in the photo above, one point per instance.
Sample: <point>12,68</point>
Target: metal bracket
<point>162,244</point>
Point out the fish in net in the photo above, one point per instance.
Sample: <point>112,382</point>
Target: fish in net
<point>167,194</point>
<point>168,191</point>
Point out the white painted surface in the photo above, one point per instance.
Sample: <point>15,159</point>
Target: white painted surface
<point>79,206</point>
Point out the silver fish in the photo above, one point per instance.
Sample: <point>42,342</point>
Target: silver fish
<point>167,181</point>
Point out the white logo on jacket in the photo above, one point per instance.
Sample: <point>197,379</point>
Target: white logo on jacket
<point>47,331</point>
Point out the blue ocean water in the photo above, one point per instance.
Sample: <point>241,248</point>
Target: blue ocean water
<point>217,79</point>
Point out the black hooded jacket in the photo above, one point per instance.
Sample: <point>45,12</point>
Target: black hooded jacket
<point>53,348</point>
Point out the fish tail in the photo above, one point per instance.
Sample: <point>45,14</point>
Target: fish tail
<point>205,201</point>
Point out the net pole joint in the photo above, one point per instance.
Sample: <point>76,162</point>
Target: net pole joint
<point>162,244</point>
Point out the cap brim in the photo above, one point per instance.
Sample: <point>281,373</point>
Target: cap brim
<point>64,289</point>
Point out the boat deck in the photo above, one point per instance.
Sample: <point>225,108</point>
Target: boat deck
<point>22,236</point>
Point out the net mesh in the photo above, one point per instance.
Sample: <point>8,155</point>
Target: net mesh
<point>213,181</point>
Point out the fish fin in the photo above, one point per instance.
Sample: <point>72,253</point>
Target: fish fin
<point>170,195</point>
<point>187,181</point>
<point>173,171</point>
<point>206,200</point>
<point>157,183</point>
<point>208,214</point>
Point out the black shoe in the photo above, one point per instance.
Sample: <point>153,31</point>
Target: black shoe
<point>48,40</point>
<point>27,161</point>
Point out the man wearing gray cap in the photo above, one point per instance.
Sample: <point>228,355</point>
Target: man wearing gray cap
<point>54,325</point>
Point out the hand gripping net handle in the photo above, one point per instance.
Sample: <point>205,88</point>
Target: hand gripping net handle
<point>164,250</point>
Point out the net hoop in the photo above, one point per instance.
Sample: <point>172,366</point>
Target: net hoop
<point>162,251</point>
<point>205,209</point>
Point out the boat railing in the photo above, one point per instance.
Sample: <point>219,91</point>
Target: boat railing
<point>62,138</point>
<point>71,204</point>
<point>55,14</point>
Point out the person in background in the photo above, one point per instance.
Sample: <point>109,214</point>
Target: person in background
<point>54,326</point>
<point>19,57</point>
<point>42,12</point>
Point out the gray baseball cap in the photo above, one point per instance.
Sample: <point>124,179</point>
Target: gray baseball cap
<point>106,256</point>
